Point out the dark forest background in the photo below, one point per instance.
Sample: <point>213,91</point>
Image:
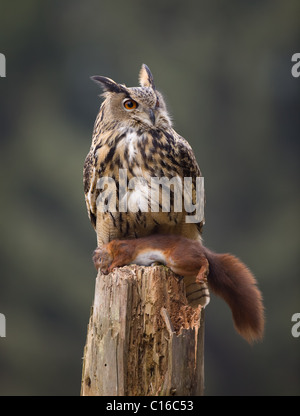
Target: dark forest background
<point>225,70</point>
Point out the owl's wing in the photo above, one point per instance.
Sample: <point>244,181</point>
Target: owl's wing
<point>89,184</point>
<point>97,165</point>
<point>185,157</point>
<point>165,153</point>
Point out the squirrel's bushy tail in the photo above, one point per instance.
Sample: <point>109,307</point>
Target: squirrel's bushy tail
<point>230,279</point>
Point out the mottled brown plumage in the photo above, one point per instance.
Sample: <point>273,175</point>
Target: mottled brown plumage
<point>130,140</point>
<point>133,131</point>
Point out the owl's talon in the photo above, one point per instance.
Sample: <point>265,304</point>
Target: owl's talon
<point>156,263</point>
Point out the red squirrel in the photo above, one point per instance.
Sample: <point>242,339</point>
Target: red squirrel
<point>225,274</point>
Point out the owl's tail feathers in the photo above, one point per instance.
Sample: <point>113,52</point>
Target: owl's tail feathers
<point>230,279</point>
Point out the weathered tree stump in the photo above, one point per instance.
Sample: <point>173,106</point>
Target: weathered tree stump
<point>143,338</point>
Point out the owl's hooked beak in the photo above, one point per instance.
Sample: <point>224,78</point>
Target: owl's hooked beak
<point>152,116</point>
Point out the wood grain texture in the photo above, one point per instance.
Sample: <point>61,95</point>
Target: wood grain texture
<point>143,338</point>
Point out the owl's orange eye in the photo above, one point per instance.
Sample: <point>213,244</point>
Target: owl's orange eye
<point>130,104</point>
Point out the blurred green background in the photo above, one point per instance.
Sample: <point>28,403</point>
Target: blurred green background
<point>225,70</point>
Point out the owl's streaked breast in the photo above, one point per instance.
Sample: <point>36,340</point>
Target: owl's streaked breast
<point>137,139</point>
<point>142,154</point>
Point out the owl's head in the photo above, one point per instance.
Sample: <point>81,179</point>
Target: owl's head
<point>142,107</point>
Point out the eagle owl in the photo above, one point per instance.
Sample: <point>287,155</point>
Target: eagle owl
<point>134,142</point>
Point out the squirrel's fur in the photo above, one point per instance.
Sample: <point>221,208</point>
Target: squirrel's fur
<point>225,274</point>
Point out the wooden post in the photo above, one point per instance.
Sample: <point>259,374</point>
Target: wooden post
<point>143,339</point>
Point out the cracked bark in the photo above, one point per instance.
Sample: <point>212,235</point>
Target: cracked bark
<point>143,338</point>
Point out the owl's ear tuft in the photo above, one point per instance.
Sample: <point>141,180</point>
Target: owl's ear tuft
<point>108,84</point>
<point>146,78</point>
